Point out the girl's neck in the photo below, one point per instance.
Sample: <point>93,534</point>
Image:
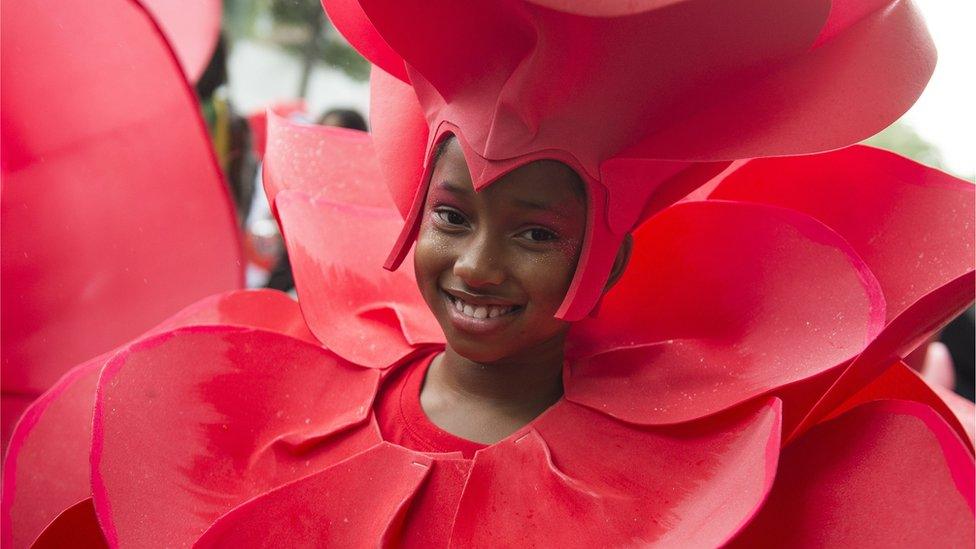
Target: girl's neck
<point>487,401</point>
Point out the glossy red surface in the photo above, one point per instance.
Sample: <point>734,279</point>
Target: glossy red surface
<point>885,474</point>
<point>114,212</point>
<point>57,429</point>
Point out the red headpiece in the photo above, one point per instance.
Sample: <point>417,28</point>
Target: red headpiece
<point>645,100</point>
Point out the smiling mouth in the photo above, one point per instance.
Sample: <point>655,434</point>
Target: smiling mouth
<point>480,312</point>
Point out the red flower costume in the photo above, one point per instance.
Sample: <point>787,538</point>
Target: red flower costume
<point>741,383</point>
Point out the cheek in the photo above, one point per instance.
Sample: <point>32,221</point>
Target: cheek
<point>432,256</point>
<point>547,276</point>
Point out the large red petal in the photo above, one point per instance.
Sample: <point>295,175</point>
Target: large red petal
<point>912,225</point>
<point>357,503</point>
<point>912,327</point>
<point>604,8</point>
<point>674,486</point>
<point>899,382</point>
<point>47,469</point>
<point>864,71</point>
<point>365,314</point>
<point>722,302</point>
<point>885,474</point>
<point>262,309</point>
<point>77,526</point>
<point>192,422</point>
<point>336,163</point>
<point>110,188</point>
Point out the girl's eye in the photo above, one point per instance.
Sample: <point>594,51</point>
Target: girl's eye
<point>450,217</point>
<point>538,235</point>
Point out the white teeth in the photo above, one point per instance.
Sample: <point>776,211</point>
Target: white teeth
<point>480,311</point>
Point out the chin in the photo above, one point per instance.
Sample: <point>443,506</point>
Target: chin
<point>477,351</point>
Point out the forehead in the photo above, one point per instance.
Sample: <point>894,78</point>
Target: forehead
<point>542,181</point>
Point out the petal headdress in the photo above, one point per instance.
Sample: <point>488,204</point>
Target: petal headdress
<point>645,100</point>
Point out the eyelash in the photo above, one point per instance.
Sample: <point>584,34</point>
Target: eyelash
<point>444,215</point>
<point>537,234</point>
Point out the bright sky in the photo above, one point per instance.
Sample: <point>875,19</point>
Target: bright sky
<point>945,115</point>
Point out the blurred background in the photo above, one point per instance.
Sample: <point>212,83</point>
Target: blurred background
<point>286,49</point>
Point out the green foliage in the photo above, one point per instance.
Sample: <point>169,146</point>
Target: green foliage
<point>337,53</point>
<point>299,27</point>
<point>903,139</point>
<point>295,12</point>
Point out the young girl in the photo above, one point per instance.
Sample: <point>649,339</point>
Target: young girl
<point>589,361</point>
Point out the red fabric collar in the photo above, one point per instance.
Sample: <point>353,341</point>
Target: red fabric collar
<point>403,421</point>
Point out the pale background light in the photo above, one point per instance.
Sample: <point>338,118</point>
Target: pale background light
<point>945,115</point>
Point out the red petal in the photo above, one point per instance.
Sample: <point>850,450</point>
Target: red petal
<point>899,382</point>
<point>906,332</point>
<point>257,122</point>
<point>911,224</point>
<point>603,8</point>
<point>47,468</point>
<point>337,163</point>
<point>365,314</point>
<point>261,309</point>
<point>694,484</point>
<point>77,526</point>
<point>349,19</point>
<point>110,188</point>
<point>722,302</point>
<point>357,503</point>
<point>885,474</point>
<point>192,422</point>
<point>857,79</point>
<point>428,521</point>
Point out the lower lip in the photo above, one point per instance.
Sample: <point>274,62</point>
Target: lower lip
<point>485,325</point>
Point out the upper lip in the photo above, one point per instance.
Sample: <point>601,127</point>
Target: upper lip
<point>480,299</point>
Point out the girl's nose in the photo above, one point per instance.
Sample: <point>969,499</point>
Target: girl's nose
<point>479,265</point>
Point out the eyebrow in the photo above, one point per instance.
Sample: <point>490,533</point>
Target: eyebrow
<point>452,188</point>
<point>531,204</point>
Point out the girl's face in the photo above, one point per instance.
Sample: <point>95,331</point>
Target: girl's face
<point>495,265</point>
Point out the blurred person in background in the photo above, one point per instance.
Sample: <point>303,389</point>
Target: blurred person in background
<point>228,130</point>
